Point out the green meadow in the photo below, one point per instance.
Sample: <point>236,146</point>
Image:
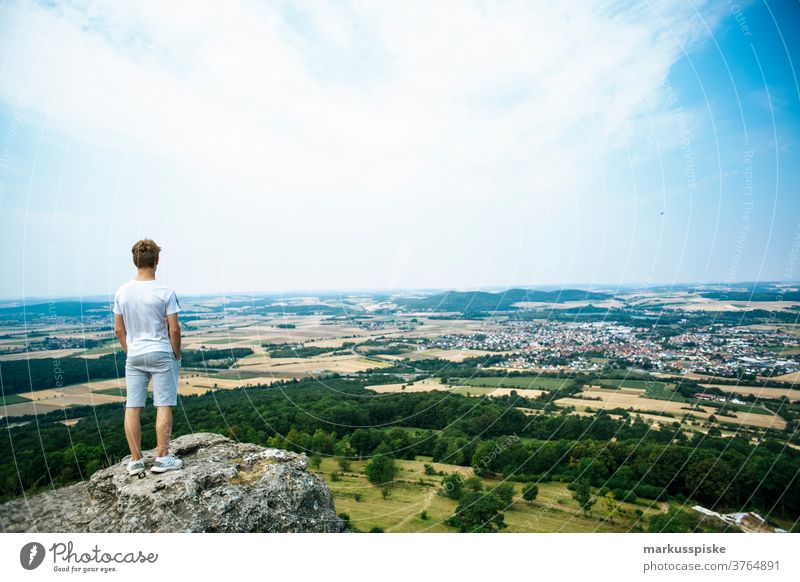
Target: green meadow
<point>414,492</point>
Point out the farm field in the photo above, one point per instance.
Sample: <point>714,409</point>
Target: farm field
<point>429,384</point>
<point>414,492</point>
<point>113,390</point>
<point>759,391</point>
<point>607,399</point>
<point>42,354</point>
<point>8,399</point>
<point>26,408</point>
<point>451,355</point>
<point>794,378</point>
<point>303,367</point>
<point>638,384</point>
<point>425,385</point>
<point>525,392</point>
<point>535,382</point>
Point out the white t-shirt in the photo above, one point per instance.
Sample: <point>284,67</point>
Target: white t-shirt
<point>144,306</point>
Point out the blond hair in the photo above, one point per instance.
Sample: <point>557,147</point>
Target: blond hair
<point>145,253</point>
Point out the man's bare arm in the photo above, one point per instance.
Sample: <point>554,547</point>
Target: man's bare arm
<point>120,332</point>
<point>174,334</point>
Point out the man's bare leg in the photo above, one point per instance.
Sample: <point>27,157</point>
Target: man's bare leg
<point>163,429</point>
<point>133,431</point>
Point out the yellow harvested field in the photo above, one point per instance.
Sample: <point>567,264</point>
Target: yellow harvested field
<point>302,367</point>
<point>794,377</point>
<point>429,384</point>
<point>74,389</point>
<point>188,390</point>
<point>26,408</point>
<point>760,391</point>
<point>41,354</point>
<point>222,383</point>
<point>608,399</point>
<point>57,398</point>
<point>87,399</point>
<point>426,385</point>
<point>524,392</point>
<point>658,420</point>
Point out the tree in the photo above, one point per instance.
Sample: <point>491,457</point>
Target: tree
<point>583,495</point>
<point>505,491</point>
<point>611,505</point>
<point>530,492</point>
<point>479,513</point>
<point>710,480</point>
<point>453,485</point>
<point>381,468</point>
<point>315,461</point>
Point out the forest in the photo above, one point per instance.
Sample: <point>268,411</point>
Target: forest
<point>339,417</point>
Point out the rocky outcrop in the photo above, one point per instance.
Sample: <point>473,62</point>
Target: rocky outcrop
<point>224,486</point>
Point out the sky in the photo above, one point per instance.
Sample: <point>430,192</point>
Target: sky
<point>308,146</point>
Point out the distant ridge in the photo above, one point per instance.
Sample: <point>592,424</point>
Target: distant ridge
<point>464,301</point>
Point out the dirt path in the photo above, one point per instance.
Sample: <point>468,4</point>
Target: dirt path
<point>425,505</point>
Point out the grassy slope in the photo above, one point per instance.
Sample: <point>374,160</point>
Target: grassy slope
<point>400,512</point>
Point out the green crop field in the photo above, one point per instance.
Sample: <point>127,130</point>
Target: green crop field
<point>642,384</point>
<point>99,351</point>
<point>414,492</point>
<point>9,399</point>
<point>535,382</point>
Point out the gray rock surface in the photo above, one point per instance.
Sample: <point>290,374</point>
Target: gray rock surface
<point>224,486</point>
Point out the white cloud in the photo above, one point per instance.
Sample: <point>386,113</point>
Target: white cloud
<point>304,103</point>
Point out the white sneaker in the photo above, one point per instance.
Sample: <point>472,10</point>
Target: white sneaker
<point>163,464</point>
<point>136,467</point>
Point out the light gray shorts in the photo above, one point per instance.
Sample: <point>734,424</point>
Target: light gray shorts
<point>163,368</point>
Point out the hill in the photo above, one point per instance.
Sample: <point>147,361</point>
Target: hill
<point>471,301</point>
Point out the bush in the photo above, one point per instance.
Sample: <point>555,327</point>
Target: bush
<point>473,484</point>
<point>429,470</point>
<point>346,519</point>
<point>424,516</point>
<point>334,476</point>
<point>530,492</point>
<point>505,491</point>
<point>452,486</point>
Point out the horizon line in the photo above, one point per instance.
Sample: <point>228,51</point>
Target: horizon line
<point>294,292</point>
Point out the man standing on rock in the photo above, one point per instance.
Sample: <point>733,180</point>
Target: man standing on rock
<point>146,325</point>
